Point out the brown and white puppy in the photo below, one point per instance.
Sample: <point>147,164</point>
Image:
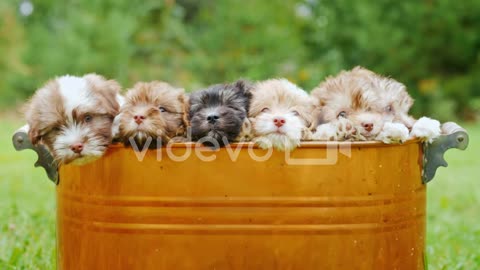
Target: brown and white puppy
<point>72,116</point>
<point>362,105</point>
<point>280,114</point>
<point>153,114</point>
<point>394,104</point>
<point>346,108</point>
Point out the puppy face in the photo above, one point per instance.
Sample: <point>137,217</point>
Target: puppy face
<point>72,116</point>
<point>154,109</point>
<point>217,113</point>
<point>393,102</point>
<point>280,111</point>
<point>348,96</point>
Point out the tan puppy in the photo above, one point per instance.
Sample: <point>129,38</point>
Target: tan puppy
<point>394,103</point>
<point>346,108</point>
<point>153,114</point>
<point>280,114</point>
<point>368,107</point>
<point>72,116</point>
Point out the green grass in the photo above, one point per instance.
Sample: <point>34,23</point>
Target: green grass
<point>27,209</point>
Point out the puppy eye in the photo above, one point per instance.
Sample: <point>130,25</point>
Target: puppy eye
<point>265,110</point>
<point>162,109</point>
<point>56,129</point>
<point>389,108</point>
<point>88,118</point>
<point>342,114</point>
<point>295,113</point>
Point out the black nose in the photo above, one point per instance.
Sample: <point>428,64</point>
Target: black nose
<point>212,118</point>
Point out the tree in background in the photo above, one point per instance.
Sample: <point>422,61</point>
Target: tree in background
<point>431,46</point>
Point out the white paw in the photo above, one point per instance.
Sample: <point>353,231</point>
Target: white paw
<point>426,129</point>
<point>325,132</point>
<point>279,142</point>
<point>393,133</point>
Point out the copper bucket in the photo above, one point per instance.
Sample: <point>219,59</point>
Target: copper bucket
<point>323,206</point>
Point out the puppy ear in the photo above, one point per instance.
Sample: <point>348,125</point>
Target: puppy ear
<point>244,86</point>
<point>307,116</point>
<point>182,130</point>
<point>107,90</point>
<point>34,135</point>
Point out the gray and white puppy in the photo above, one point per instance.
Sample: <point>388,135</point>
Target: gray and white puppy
<point>218,114</point>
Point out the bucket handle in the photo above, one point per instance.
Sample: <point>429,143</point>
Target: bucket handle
<point>21,141</point>
<point>453,136</point>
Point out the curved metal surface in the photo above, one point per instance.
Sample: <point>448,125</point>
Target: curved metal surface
<point>365,211</point>
<point>453,136</point>
<point>45,160</point>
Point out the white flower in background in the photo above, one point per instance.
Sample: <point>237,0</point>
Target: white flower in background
<point>303,11</point>
<point>26,8</point>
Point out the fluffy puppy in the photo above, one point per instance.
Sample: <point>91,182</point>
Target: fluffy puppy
<point>394,103</point>
<point>345,108</point>
<point>72,116</point>
<point>280,114</point>
<point>154,110</point>
<point>362,105</point>
<point>218,114</point>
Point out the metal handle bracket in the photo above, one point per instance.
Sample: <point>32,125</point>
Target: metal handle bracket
<point>21,142</point>
<point>453,136</point>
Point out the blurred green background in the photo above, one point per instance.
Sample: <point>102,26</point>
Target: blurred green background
<point>433,46</point>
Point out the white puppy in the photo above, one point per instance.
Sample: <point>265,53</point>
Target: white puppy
<point>280,114</point>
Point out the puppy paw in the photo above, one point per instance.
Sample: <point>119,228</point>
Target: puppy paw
<point>178,139</point>
<point>346,131</point>
<point>393,133</point>
<point>281,143</point>
<point>325,132</point>
<point>246,132</point>
<point>307,134</point>
<point>426,129</point>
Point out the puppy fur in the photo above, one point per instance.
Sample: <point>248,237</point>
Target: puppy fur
<point>345,108</point>
<point>218,114</point>
<point>281,114</point>
<point>364,102</point>
<point>154,110</point>
<point>72,116</point>
<point>394,104</point>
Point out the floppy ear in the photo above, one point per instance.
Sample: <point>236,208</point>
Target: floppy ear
<point>107,90</point>
<point>308,116</point>
<point>185,122</point>
<point>244,87</point>
<point>34,135</point>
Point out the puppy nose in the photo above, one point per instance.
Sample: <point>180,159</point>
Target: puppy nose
<point>367,126</point>
<point>279,121</point>
<point>76,147</point>
<point>139,119</point>
<point>212,118</point>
